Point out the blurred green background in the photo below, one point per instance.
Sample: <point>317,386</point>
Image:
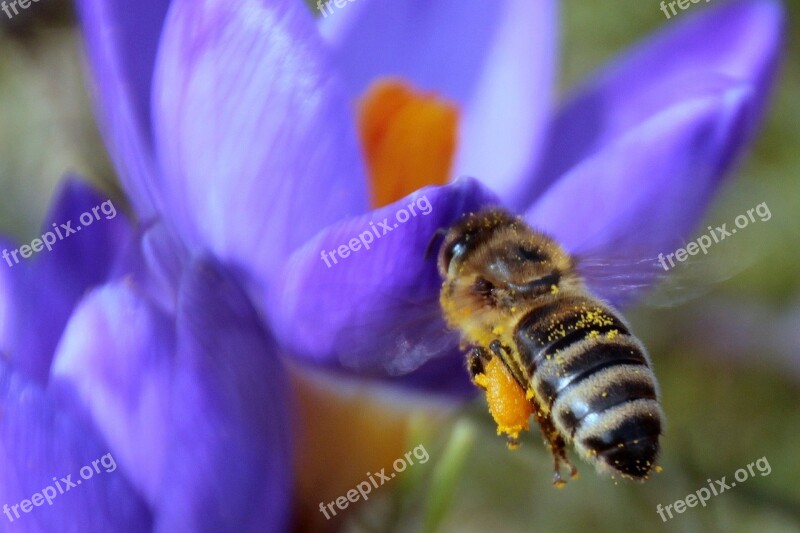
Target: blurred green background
<point>727,359</point>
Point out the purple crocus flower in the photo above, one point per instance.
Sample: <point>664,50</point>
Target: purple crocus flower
<point>233,129</point>
<point>234,122</point>
<point>121,412</point>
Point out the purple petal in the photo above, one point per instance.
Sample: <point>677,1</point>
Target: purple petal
<point>230,461</point>
<point>436,45</point>
<point>121,42</point>
<point>376,310</point>
<point>84,257</point>
<point>257,143</point>
<point>116,359</point>
<point>495,59</point>
<point>40,443</point>
<point>645,193</point>
<point>176,409</point>
<point>165,258</point>
<point>733,44</point>
<point>505,119</point>
<point>43,289</point>
<point>154,259</point>
<point>444,376</point>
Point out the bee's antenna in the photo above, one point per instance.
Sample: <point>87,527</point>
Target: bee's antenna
<point>437,236</point>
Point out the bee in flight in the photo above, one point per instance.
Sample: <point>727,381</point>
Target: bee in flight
<point>540,343</point>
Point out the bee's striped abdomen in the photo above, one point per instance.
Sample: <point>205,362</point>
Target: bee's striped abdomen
<point>595,379</point>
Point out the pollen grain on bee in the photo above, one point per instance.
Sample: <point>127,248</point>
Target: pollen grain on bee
<point>376,231</point>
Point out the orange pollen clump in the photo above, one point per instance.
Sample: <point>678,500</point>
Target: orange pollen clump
<point>409,139</point>
<point>508,404</point>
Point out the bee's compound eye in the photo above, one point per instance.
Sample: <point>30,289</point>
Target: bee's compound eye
<point>455,250</point>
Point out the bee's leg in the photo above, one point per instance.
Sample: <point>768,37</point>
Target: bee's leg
<point>504,353</point>
<point>476,363</point>
<point>552,437</point>
<point>498,349</point>
<point>558,447</point>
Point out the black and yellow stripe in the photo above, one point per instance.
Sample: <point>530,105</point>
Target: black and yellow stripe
<point>594,379</point>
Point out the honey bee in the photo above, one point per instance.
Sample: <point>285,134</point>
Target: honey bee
<point>540,343</point>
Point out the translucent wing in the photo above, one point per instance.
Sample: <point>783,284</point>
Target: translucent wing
<point>658,281</point>
<point>414,334</point>
<point>619,279</point>
<point>406,333</point>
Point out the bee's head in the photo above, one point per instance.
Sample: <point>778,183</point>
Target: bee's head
<point>468,235</point>
<point>501,255</point>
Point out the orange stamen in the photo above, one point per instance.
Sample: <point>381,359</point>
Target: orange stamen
<point>409,139</point>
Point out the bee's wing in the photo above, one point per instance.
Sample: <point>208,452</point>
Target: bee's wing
<point>623,279</point>
<point>619,279</point>
<point>408,332</point>
<point>415,334</point>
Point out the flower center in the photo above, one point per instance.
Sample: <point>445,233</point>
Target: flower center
<point>409,139</point>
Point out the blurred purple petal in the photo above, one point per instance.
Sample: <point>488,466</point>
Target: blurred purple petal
<point>165,259</point>
<point>438,46</point>
<point>737,43</point>
<point>435,45</point>
<point>256,140</point>
<point>116,360</point>
<point>644,194</point>
<point>86,256</point>
<point>376,310</point>
<point>44,288</point>
<point>504,121</point>
<point>230,463</point>
<point>39,444</point>
<point>121,42</point>
<point>444,376</point>
<point>495,59</point>
<point>7,305</point>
